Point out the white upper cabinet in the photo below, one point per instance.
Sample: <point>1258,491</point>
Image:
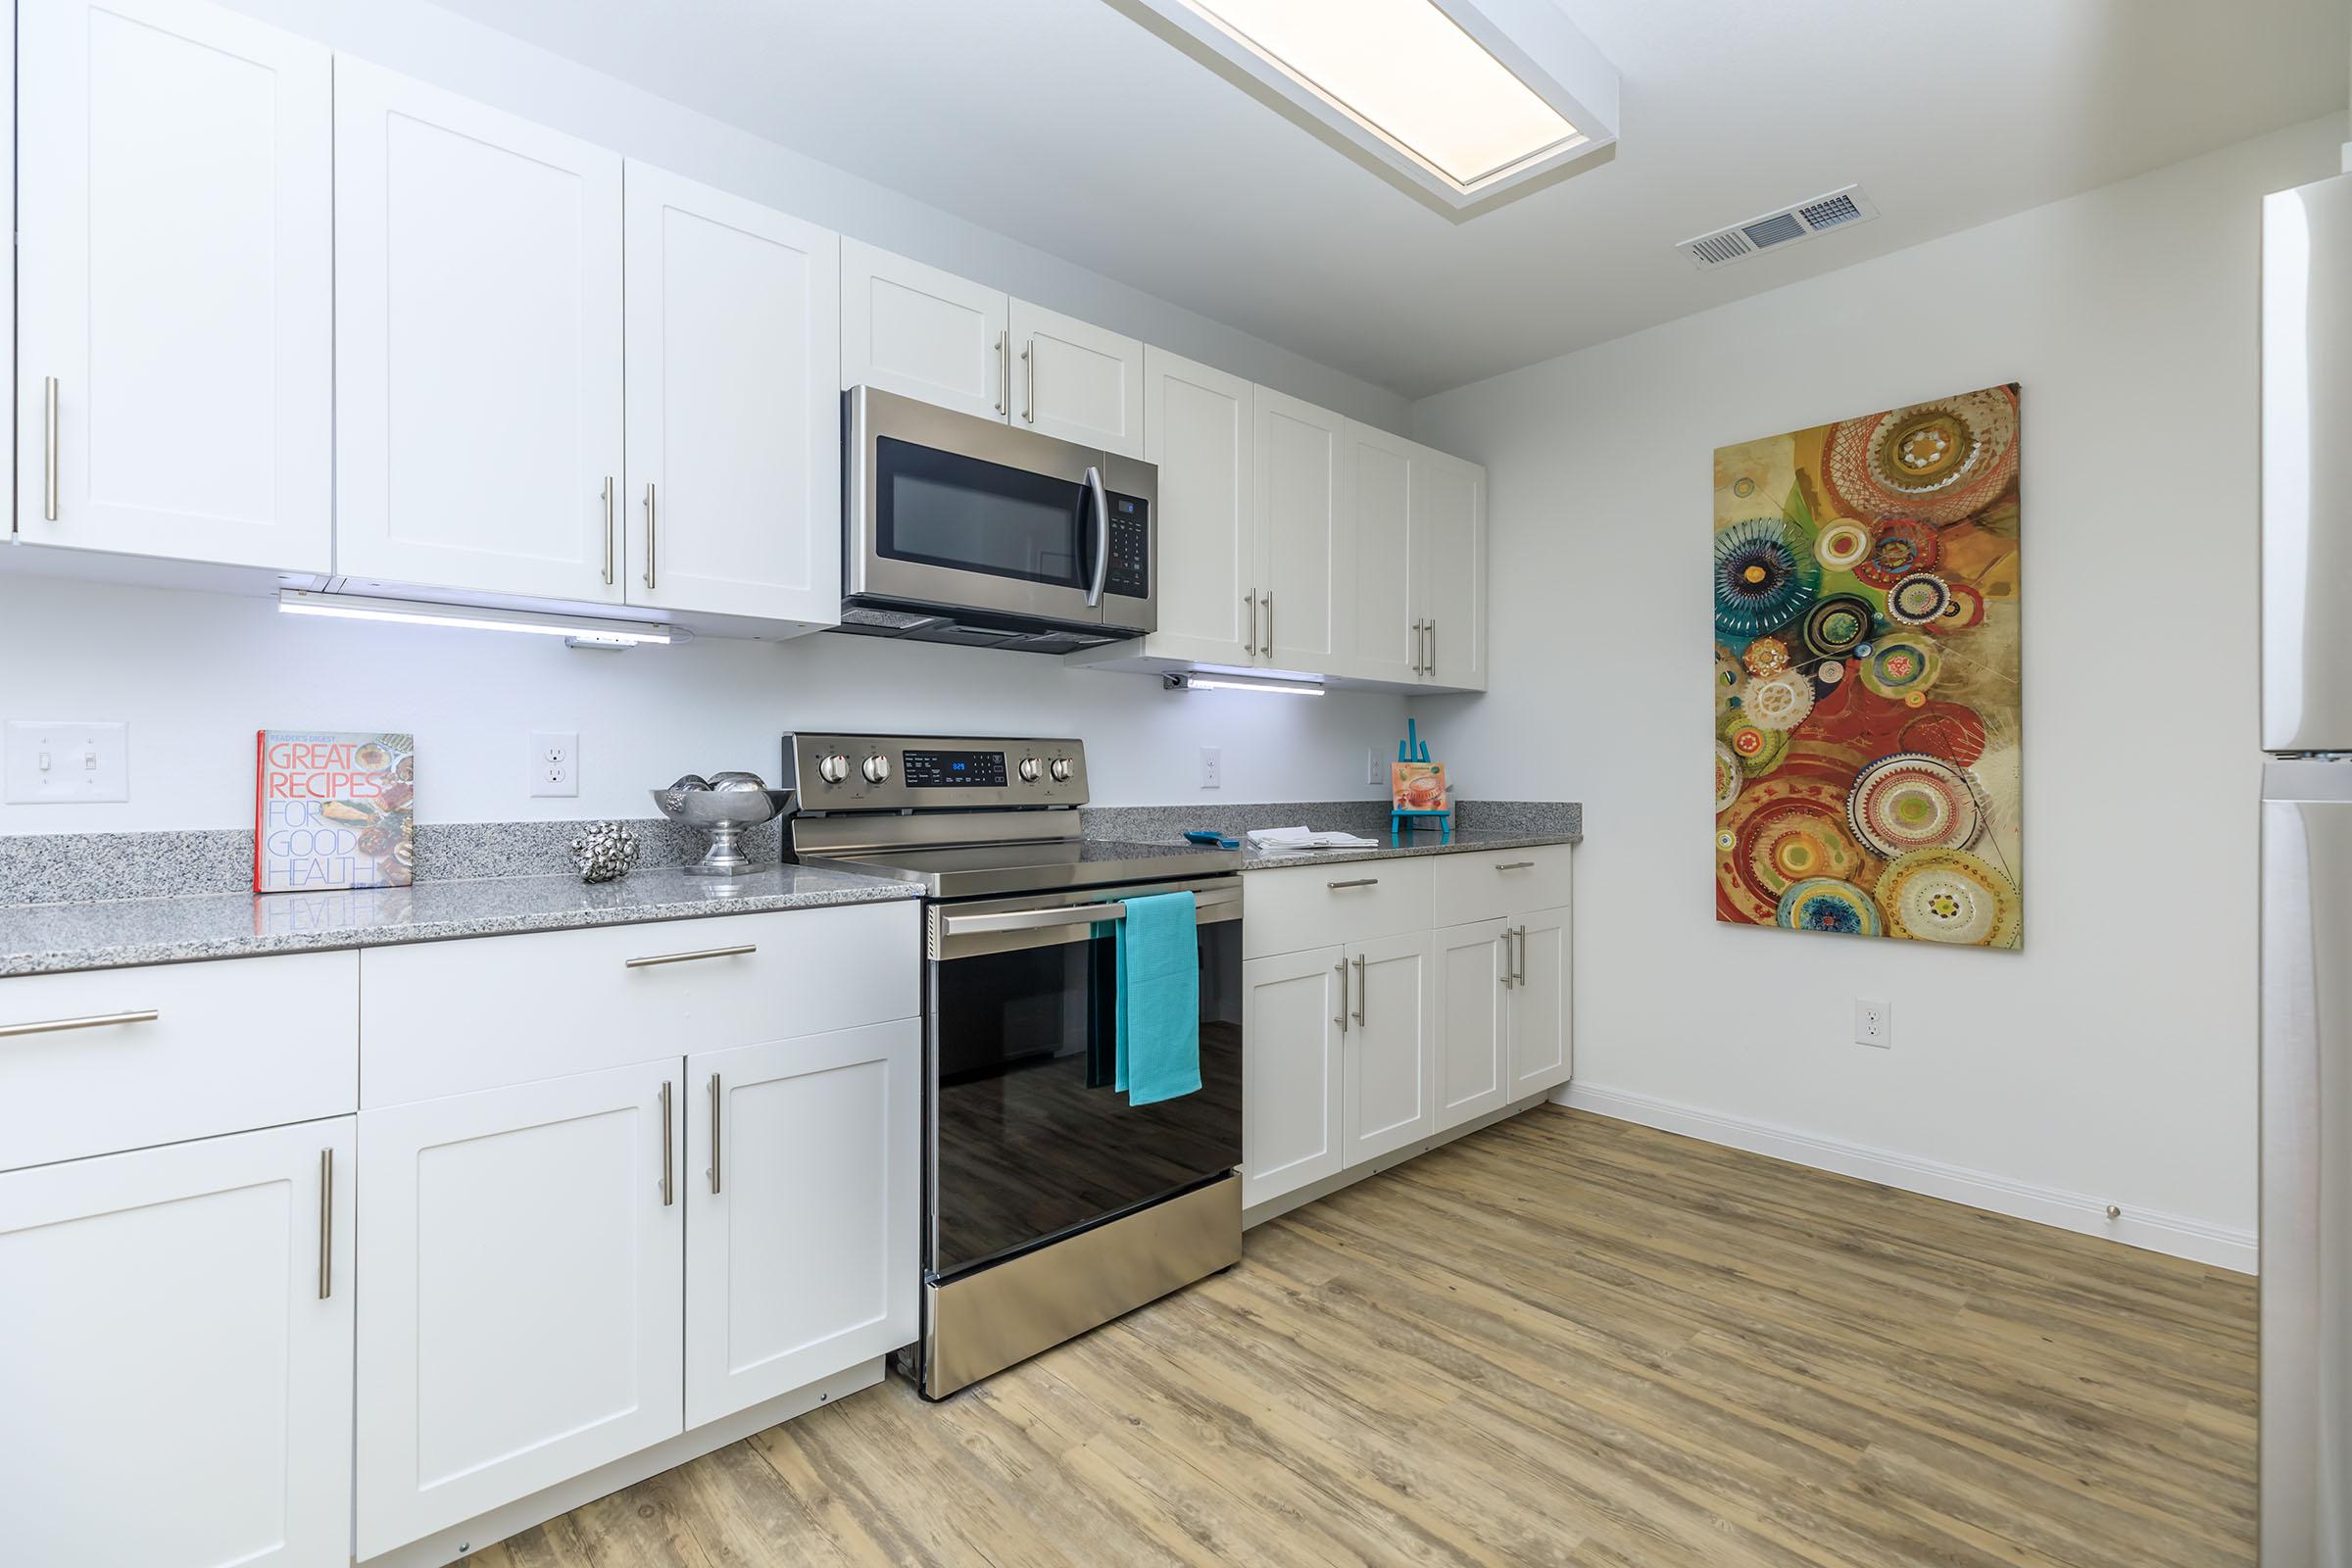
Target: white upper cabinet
<point>1449,569</point>
<point>478,346</point>
<point>1076,381</point>
<point>1306,534</point>
<point>923,333</point>
<point>734,406</point>
<point>1386,483</point>
<point>175,1354</point>
<point>175,294</point>
<point>1200,430</point>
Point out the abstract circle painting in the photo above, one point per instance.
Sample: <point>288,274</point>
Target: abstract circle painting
<point>1868,677</point>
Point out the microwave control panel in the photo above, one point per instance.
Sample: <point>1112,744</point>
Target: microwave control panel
<point>1130,571</point>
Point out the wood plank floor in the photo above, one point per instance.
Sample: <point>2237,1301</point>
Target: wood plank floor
<point>1564,1340</point>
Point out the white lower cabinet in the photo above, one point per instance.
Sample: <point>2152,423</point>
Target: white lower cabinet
<point>1291,1126</point>
<point>1474,1069</point>
<point>1394,1030</point>
<point>803,1206</point>
<point>175,1354</point>
<point>1386,1073</point>
<point>522,1253</point>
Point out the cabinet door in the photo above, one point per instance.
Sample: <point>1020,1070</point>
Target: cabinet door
<point>923,333</point>
<point>174,1362</point>
<point>1198,429</point>
<point>1539,1002</point>
<point>803,1250</point>
<point>1076,381</point>
<point>1387,484</point>
<point>1292,1120</point>
<point>1449,567</point>
<point>175,353</point>
<point>477,346</point>
<point>1307,533</point>
<point>1472,1058</point>
<point>524,1256</point>
<point>734,404</point>
<point>1390,1074</point>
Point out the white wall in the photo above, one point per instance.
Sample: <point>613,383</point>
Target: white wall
<point>196,674</point>
<point>2114,1059</point>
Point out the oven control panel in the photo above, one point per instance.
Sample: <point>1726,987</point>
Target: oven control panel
<point>1129,573</point>
<point>836,772</point>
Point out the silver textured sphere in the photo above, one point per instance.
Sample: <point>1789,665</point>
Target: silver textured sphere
<point>604,850</point>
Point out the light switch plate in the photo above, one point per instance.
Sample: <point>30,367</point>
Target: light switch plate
<point>57,761</point>
<point>1212,767</point>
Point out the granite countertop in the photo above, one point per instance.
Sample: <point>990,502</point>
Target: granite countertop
<point>1466,842</point>
<point>51,938</point>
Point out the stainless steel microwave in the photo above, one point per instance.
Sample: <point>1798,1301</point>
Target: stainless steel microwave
<point>959,529</point>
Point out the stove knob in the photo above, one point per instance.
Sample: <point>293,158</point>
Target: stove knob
<point>877,768</point>
<point>1061,770</point>
<point>1030,769</point>
<point>834,769</point>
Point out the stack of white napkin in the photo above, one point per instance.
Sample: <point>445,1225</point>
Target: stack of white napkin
<point>1306,838</point>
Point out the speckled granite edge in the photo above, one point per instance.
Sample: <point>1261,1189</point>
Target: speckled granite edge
<point>108,934</point>
<point>1464,841</point>
<point>81,868</point>
<point>1550,820</point>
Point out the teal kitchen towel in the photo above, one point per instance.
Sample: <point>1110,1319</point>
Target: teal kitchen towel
<point>1159,998</point>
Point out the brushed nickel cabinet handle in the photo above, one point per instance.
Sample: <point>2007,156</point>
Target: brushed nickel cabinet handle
<point>1519,971</point>
<point>668,1141</point>
<point>1265,602</point>
<point>326,1223</point>
<point>96,1020</point>
<point>1514,865</point>
<point>716,1104</point>
<point>1029,398</point>
<point>657,959</point>
<point>49,422</point>
<point>1419,667</point>
<point>1432,671</point>
<point>1341,1020</point>
<point>1357,882</point>
<point>1249,608</point>
<point>1361,988</point>
<point>608,530</point>
<point>1003,375</point>
<point>1502,973</point>
<point>652,518</point>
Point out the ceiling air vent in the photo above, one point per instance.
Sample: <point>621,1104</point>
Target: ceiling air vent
<point>1789,225</point>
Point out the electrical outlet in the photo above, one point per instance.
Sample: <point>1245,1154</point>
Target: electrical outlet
<point>555,762</point>
<point>1212,767</point>
<point>1874,1022</point>
<point>59,762</point>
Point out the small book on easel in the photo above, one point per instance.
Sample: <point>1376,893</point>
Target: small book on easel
<point>332,809</point>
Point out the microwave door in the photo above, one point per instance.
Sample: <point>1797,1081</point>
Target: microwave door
<point>960,514</point>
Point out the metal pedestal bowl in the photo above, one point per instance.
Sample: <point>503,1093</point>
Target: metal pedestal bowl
<point>723,815</point>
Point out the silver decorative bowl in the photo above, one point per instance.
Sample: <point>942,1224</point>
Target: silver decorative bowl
<point>723,815</point>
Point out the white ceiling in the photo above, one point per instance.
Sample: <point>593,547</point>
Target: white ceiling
<point>1066,125</point>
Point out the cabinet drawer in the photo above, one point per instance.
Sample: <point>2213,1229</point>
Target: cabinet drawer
<point>1489,884</point>
<point>1316,906</point>
<point>194,1050</point>
<point>451,1017</point>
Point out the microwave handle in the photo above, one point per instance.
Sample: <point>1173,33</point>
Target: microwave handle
<point>1093,482</point>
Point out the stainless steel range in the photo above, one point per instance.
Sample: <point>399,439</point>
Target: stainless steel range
<point>1051,1205</point>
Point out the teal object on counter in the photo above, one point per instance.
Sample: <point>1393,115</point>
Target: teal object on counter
<point>1158,999</point>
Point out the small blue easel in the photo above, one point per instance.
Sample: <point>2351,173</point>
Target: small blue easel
<point>1414,749</point>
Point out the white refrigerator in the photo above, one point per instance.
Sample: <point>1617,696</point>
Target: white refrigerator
<point>2307,877</point>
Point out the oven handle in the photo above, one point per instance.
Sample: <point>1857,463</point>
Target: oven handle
<point>1093,482</point>
<point>964,926</point>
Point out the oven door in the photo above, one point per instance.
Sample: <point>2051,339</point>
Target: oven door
<point>949,511</point>
<point>1028,1140</point>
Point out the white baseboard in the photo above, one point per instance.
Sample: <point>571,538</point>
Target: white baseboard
<point>2222,1245</point>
